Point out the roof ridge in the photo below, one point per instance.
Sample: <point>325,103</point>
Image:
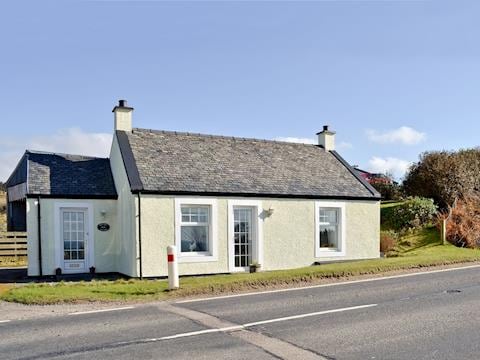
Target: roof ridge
<point>40,152</point>
<point>235,138</point>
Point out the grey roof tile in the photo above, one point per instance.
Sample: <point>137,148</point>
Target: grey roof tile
<point>195,163</point>
<point>69,175</point>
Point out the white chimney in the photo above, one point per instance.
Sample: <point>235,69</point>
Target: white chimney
<point>123,116</point>
<point>326,139</point>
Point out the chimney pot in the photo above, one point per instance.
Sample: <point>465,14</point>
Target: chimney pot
<point>122,103</point>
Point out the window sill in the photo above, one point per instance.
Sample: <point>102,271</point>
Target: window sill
<point>196,258</point>
<point>323,253</point>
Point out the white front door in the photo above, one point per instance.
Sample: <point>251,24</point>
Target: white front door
<point>74,234</point>
<point>244,241</point>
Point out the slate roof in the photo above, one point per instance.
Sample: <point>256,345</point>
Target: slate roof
<point>184,163</point>
<point>65,175</point>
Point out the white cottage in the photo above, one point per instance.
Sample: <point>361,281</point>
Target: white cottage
<point>225,202</point>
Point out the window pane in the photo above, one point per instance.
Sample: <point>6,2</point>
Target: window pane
<point>194,238</point>
<point>195,214</point>
<point>328,236</point>
<point>328,216</point>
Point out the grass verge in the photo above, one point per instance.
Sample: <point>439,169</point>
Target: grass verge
<point>417,250</point>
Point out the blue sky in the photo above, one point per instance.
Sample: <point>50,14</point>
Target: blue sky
<point>393,78</point>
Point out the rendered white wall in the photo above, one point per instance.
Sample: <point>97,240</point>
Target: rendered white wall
<point>288,235</point>
<point>126,233</point>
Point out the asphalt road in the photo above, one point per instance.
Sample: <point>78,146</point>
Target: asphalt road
<point>428,316</point>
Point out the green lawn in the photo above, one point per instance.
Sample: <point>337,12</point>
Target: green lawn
<point>421,249</point>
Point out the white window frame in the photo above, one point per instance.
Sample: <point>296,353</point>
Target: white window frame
<point>327,252</point>
<point>89,239</point>
<point>212,254</point>
<point>257,251</point>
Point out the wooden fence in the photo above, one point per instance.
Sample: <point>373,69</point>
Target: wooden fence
<point>13,244</point>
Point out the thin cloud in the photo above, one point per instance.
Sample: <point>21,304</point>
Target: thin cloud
<point>69,141</point>
<point>343,145</point>
<point>389,165</point>
<point>403,135</point>
<point>297,140</point>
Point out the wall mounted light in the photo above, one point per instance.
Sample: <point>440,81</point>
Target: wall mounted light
<point>103,213</point>
<point>270,211</point>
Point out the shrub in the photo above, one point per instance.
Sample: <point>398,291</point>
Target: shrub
<point>463,225</point>
<point>388,191</point>
<point>388,241</point>
<point>411,214</point>
<point>444,175</point>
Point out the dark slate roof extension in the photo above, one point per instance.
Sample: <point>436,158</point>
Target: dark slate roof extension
<point>63,175</point>
<point>165,162</point>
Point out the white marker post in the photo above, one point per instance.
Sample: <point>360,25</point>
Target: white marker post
<point>173,281</point>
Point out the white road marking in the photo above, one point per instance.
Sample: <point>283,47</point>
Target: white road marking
<point>101,311</point>
<point>202,332</point>
<point>270,321</point>
<point>302,316</point>
<point>327,285</point>
<point>5,321</point>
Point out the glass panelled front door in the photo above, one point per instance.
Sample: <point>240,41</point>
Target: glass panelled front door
<point>243,236</point>
<point>74,239</point>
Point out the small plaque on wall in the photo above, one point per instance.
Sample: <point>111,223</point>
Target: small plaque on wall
<point>103,227</point>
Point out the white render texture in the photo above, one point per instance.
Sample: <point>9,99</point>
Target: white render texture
<point>327,140</point>
<point>123,119</point>
<point>126,233</point>
<point>288,235</point>
<point>105,247</point>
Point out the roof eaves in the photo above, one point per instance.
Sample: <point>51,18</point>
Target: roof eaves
<point>256,195</point>
<point>73,196</point>
<point>24,156</point>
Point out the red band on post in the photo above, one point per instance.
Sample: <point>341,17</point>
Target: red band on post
<point>170,258</point>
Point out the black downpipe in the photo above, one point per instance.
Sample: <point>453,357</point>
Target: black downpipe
<point>140,235</point>
<point>39,223</point>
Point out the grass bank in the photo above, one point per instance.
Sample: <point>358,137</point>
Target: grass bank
<point>417,250</point>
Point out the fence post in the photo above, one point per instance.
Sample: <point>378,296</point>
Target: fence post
<point>444,231</point>
<point>15,247</point>
<point>173,281</point>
